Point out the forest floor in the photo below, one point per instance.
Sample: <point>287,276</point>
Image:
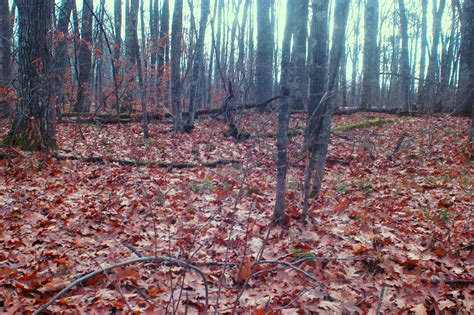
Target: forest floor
<point>391,231</point>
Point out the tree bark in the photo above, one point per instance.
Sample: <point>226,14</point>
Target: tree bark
<point>466,75</point>
<point>85,59</point>
<point>6,51</point>
<point>370,82</point>
<point>429,88</point>
<point>298,74</point>
<point>315,117</point>
<point>283,119</point>
<point>163,56</point>
<point>264,58</point>
<point>198,63</point>
<point>404,61</point>
<point>337,51</point>
<point>176,33</point>
<point>32,127</point>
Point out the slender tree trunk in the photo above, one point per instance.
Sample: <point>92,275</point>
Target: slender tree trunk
<point>283,119</point>
<point>176,34</point>
<point>85,59</point>
<point>134,7</point>
<point>424,47</point>
<point>466,70</point>
<point>195,94</point>
<point>336,54</point>
<point>5,44</point>
<point>355,60</point>
<point>163,53</point>
<point>429,88</point>
<point>264,58</point>
<point>298,83</point>
<point>32,127</point>
<point>404,61</point>
<point>315,117</point>
<point>370,83</point>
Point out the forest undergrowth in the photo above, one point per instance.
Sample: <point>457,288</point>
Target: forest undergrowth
<point>391,232</point>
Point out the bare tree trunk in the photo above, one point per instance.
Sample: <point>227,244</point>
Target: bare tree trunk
<point>133,15</point>
<point>85,59</point>
<point>198,62</point>
<point>319,46</point>
<point>370,82</point>
<point>176,34</point>
<point>337,52</point>
<point>429,88</point>
<point>32,127</point>
<point>298,77</point>
<point>283,119</point>
<point>404,61</point>
<point>163,53</point>
<point>466,71</point>
<point>424,47</point>
<point>6,50</point>
<point>355,60</point>
<point>264,58</point>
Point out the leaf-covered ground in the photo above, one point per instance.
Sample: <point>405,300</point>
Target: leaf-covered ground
<point>391,231</point>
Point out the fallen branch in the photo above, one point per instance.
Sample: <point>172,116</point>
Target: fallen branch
<point>108,119</point>
<point>101,160</point>
<point>92,274</point>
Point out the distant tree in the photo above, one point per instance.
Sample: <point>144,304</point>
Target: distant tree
<point>198,63</point>
<point>163,53</point>
<point>321,137</point>
<point>32,127</point>
<point>118,30</point>
<point>466,95</point>
<point>298,74</point>
<point>432,73</point>
<point>319,42</point>
<point>5,44</point>
<point>176,34</point>
<point>283,118</point>
<point>370,81</point>
<point>404,57</point>
<point>264,58</point>
<point>85,59</point>
<point>60,52</point>
<point>424,47</point>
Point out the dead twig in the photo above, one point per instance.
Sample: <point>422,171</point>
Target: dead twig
<point>92,274</point>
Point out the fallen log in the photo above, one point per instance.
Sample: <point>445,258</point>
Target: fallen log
<point>101,160</point>
<point>111,119</point>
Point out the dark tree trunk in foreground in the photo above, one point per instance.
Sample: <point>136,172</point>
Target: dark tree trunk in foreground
<point>404,61</point>
<point>198,62</point>
<point>162,55</point>
<point>85,59</point>
<point>264,59</point>
<point>319,40</point>
<point>176,33</point>
<point>370,81</point>
<point>283,119</point>
<point>61,54</point>
<point>5,44</point>
<point>118,31</point>
<point>466,75</point>
<point>424,46</point>
<point>298,73</point>
<point>321,139</point>
<point>32,127</point>
<point>429,88</point>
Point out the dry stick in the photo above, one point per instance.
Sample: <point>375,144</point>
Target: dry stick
<point>92,274</point>
<point>379,305</point>
<point>101,160</point>
<point>233,222</point>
